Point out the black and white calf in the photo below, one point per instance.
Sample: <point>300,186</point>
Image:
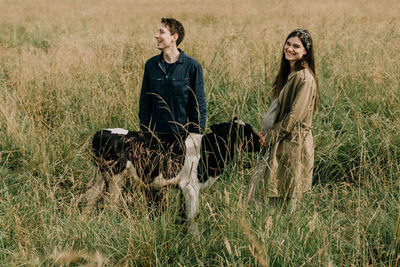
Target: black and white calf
<point>192,162</point>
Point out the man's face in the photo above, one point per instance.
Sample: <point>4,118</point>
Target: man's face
<point>164,37</point>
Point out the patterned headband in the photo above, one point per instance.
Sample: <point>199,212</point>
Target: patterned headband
<point>307,37</point>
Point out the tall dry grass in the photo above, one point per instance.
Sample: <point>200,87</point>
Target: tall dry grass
<point>69,68</point>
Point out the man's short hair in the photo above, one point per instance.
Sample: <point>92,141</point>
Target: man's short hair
<point>174,26</point>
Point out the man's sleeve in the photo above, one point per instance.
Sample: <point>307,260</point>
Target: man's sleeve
<point>145,104</point>
<point>197,105</point>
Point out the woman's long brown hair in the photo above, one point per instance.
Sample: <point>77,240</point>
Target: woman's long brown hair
<point>306,62</point>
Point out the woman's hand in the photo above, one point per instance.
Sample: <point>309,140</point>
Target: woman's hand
<point>262,138</point>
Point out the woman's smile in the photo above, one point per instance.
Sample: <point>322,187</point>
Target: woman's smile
<point>294,49</point>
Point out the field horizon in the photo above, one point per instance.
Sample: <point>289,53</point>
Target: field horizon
<point>70,68</point>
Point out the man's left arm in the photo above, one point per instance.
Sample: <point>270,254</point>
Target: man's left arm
<point>197,110</point>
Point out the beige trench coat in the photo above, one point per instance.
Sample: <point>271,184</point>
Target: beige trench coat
<point>290,159</point>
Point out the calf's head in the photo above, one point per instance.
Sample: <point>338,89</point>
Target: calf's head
<point>237,131</point>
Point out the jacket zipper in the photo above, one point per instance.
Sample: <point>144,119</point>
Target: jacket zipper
<point>162,68</point>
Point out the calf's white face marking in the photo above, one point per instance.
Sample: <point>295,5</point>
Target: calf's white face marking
<point>240,122</point>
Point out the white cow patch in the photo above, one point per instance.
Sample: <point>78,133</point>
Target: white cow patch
<point>118,131</point>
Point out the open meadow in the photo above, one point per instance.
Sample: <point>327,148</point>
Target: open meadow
<point>71,67</point>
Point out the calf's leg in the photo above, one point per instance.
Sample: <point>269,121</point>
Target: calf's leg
<point>119,180</point>
<point>95,191</point>
<point>116,183</point>
<point>192,198</point>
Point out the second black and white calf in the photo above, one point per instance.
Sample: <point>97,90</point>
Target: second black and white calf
<point>192,162</point>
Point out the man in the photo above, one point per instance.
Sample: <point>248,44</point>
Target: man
<point>172,98</point>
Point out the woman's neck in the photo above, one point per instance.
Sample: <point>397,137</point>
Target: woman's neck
<point>292,63</point>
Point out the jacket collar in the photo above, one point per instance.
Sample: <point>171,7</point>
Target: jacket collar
<point>291,75</point>
<point>181,58</point>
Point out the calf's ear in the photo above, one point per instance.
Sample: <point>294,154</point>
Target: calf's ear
<point>221,129</point>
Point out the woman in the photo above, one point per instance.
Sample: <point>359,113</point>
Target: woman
<point>290,156</point>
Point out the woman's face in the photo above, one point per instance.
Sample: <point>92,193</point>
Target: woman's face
<point>294,49</point>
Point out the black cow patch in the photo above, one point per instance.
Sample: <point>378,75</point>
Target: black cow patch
<point>150,154</point>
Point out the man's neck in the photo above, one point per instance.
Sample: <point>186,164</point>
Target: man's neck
<point>171,55</point>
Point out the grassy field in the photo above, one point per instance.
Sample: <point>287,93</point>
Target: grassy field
<point>69,68</point>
